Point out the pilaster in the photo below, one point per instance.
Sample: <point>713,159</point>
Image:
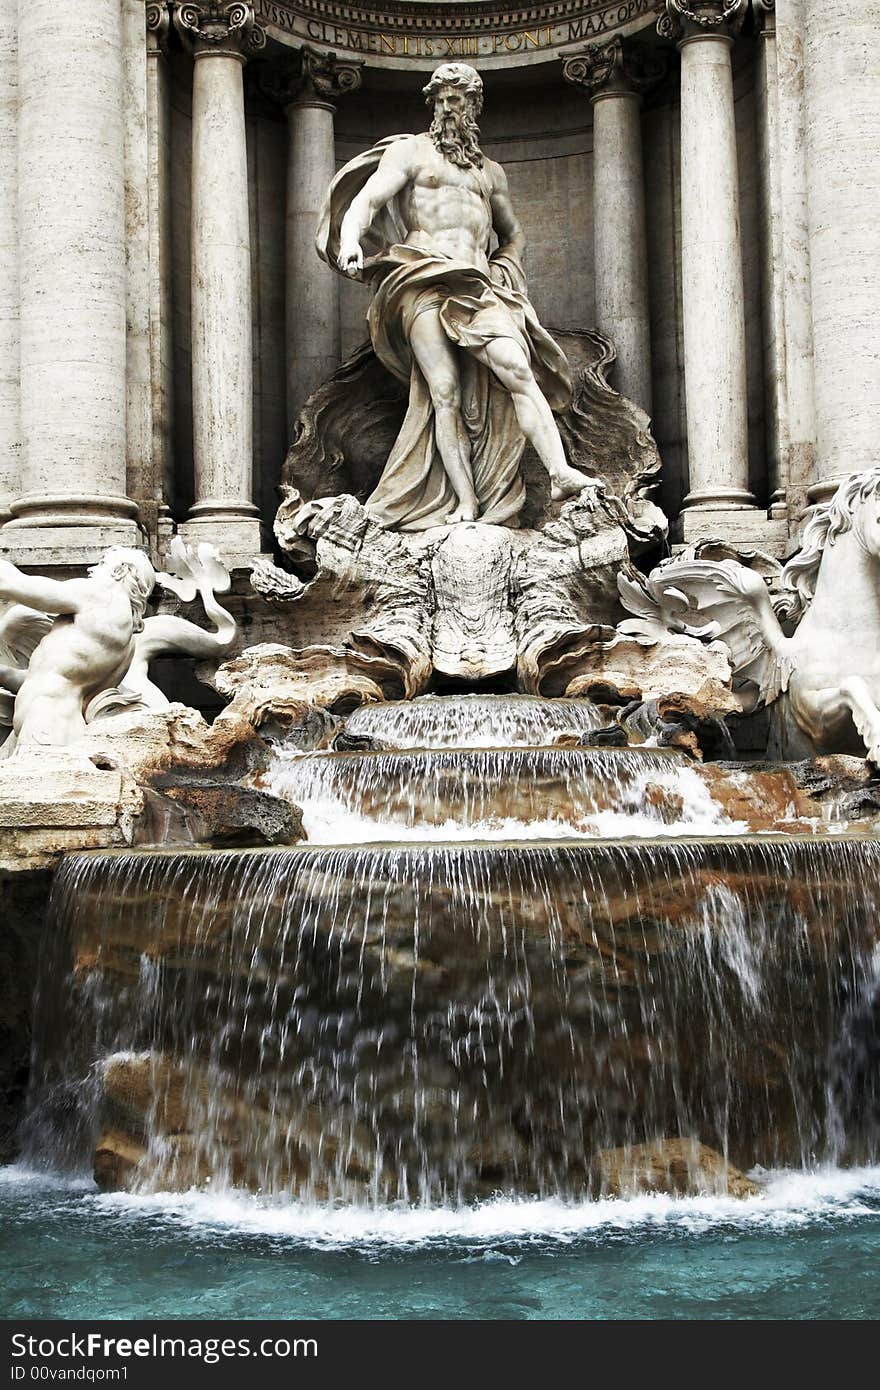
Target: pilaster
<point>158,26</point>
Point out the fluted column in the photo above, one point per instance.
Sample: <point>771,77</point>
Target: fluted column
<point>10,403</point>
<point>72,262</point>
<point>308,92</point>
<point>222,36</point>
<point>711,270</point>
<point>841,82</point>
<point>616,76</point>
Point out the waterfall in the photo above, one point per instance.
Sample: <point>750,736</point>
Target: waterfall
<point>435,1022</point>
<point>474,721</point>
<point>496,794</point>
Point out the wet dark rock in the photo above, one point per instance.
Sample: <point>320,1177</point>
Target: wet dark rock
<point>24,895</point>
<point>613,736</point>
<point>223,814</point>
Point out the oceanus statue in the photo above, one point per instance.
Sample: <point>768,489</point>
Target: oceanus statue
<point>414,217</point>
<point>811,650</point>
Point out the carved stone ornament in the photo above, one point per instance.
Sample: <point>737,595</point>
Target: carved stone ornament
<point>220,24</point>
<point>313,77</point>
<point>764,12</point>
<point>687,17</point>
<point>615,67</point>
<point>158,19</point>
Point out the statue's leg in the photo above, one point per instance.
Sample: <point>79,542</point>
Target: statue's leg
<point>508,361</point>
<point>435,357</point>
<point>861,702</point>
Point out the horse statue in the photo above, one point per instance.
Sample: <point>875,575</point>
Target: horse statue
<point>811,650</point>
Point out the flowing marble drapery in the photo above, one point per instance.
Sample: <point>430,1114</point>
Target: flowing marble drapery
<point>414,491</point>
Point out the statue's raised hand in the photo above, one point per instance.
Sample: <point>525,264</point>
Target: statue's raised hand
<point>350,259</point>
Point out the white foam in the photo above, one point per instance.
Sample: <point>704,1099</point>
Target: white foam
<point>329,801</point>
<point>789,1200</point>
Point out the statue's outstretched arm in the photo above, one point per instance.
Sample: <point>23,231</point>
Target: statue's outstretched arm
<point>393,174</point>
<point>47,595</point>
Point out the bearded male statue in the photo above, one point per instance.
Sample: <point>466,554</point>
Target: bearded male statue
<point>414,217</point>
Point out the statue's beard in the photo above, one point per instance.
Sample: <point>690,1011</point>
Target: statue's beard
<point>458,139</point>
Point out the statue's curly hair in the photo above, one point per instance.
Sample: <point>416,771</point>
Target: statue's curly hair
<point>456,75</point>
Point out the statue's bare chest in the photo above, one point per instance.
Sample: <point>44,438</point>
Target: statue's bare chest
<point>444,176</point>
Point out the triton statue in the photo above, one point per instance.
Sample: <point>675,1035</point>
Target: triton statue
<point>84,631</point>
<point>822,681</point>
<point>74,650</point>
<point>414,217</point>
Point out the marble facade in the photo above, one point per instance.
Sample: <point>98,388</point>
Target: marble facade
<point>697,179</point>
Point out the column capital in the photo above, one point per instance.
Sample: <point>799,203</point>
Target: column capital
<point>764,12</point>
<point>690,19</point>
<point>158,18</point>
<point>311,79</point>
<point>615,68</point>
<point>227,27</point>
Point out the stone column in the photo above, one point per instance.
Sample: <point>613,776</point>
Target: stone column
<point>308,93</point>
<point>72,260</point>
<point>841,82</point>
<point>797,298</point>
<point>711,271</point>
<point>10,403</point>
<point>159,220</point>
<point>772,260</point>
<point>221,36</point>
<point>616,77</point>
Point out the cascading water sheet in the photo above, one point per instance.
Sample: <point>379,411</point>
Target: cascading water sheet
<point>497,794</point>
<point>437,1023</point>
<point>474,721</point>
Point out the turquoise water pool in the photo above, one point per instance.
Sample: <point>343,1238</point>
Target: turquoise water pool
<point>807,1248</point>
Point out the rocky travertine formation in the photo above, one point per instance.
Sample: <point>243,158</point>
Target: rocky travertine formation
<point>679,1167</point>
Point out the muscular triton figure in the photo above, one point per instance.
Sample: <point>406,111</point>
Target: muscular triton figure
<point>415,216</point>
<point>83,642</point>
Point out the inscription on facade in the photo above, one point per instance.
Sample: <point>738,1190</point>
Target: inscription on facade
<point>411,35</point>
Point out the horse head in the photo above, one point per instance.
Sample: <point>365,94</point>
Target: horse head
<point>855,509</point>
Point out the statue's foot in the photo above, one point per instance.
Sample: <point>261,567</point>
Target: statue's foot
<point>567,482</point>
<point>466,511</point>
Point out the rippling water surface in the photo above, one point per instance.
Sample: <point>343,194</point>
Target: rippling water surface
<point>806,1248</point>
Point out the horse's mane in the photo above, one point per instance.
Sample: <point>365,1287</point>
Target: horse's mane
<point>827,522</point>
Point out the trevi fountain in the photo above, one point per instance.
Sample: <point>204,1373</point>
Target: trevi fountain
<point>463,889</point>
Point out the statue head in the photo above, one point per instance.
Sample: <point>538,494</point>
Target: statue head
<point>456,93</point>
<point>132,569</point>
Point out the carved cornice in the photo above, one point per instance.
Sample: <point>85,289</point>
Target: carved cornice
<point>615,68</point>
<point>220,26</point>
<point>691,18</point>
<point>158,18</point>
<point>312,78</point>
<point>435,32</point>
